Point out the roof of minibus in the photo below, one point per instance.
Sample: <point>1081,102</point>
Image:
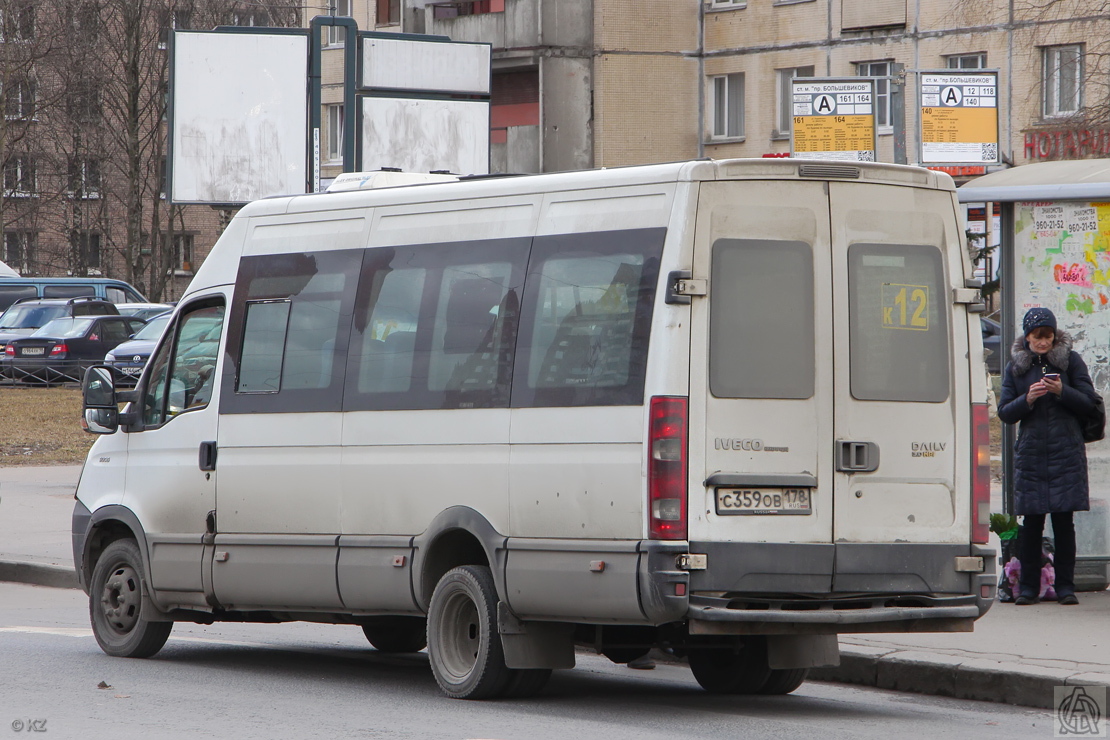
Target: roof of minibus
<point>695,170</point>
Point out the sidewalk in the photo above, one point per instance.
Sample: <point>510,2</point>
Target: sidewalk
<point>1016,655</point>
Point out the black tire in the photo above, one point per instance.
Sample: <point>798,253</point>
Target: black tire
<point>737,669</point>
<point>526,682</point>
<point>397,634</point>
<point>118,605</point>
<point>784,680</point>
<point>464,645</point>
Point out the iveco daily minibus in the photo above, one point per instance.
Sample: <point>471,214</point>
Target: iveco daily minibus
<point>730,409</point>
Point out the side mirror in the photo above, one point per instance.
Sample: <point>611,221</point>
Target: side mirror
<point>98,391</point>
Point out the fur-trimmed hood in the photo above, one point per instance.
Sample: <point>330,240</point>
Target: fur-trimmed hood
<point>1022,357</point>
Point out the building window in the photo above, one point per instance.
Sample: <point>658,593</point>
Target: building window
<point>1063,80</point>
<point>336,35</point>
<point>728,106</point>
<point>335,132</point>
<point>727,4</point>
<point>183,252</point>
<point>784,118</point>
<point>19,177</point>
<point>86,250</point>
<point>172,19</point>
<point>247,17</point>
<point>84,178</point>
<point>19,100</point>
<point>19,247</point>
<point>17,21</point>
<point>967,61</point>
<point>882,89</point>
<point>389,13</point>
<point>466,7</point>
<point>83,100</point>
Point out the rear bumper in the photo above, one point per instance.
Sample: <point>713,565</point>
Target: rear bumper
<point>771,588</point>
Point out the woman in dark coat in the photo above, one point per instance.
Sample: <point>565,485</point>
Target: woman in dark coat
<point>1047,388</point>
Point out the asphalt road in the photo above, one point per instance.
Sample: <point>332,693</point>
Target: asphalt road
<point>322,681</point>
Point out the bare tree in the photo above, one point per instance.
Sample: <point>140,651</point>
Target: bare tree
<point>103,135</point>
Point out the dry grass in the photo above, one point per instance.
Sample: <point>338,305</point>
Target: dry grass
<point>42,426</point>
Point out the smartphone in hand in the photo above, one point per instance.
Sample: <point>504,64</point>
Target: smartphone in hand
<point>1053,376</point>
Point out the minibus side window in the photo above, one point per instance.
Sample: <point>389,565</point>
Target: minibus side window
<point>435,326</point>
<point>761,307</point>
<point>290,328</point>
<point>586,319</point>
<point>183,370</point>
<point>898,323</point>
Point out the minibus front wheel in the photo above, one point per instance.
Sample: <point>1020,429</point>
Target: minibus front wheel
<point>119,606</point>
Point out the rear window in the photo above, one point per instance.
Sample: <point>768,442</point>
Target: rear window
<point>899,323</point>
<point>64,328</point>
<point>30,317</point>
<point>761,307</point>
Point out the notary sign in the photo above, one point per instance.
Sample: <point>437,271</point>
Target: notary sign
<point>959,118</point>
<point>833,119</point>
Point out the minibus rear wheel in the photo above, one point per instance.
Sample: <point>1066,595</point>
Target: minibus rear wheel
<point>464,645</point>
<point>119,607</point>
<point>739,668</point>
<point>784,680</point>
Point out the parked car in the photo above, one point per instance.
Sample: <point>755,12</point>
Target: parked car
<point>25,317</point>
<point>15,288</point>
<point>992,340</point>
<point>131,356</point>
<point>65,347</point>
<point>144,311</point>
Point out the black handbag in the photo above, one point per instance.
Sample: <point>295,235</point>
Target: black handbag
<point>1094,425</point>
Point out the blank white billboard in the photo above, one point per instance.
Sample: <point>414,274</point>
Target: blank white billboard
<point>239,116</point>
<point>420,135</point>
<point>437,66</point>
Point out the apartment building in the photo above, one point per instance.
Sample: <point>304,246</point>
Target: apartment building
<point>585,83</point>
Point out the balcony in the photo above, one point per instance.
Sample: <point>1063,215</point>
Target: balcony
<point>523,24</point>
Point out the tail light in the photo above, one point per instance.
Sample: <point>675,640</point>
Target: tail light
<point>980,474</point>
<point>9,351</point>
<point>59,349</point>
<point>667,491</point>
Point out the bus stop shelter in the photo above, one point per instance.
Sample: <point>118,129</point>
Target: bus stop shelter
<point>1055,252</point>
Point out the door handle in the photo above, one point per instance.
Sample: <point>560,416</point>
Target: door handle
<point>207,456</point>
<point>857,457</point>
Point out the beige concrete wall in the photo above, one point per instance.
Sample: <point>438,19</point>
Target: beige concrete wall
<point>645,109</point>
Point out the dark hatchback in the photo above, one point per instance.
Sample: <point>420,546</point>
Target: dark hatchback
<point>61,350</point>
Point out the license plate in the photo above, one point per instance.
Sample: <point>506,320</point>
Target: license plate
<point>773,501</point>
<point>32,351</point>
<point>131,370</point>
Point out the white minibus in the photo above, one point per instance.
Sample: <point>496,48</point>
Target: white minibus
<point>725,409</point>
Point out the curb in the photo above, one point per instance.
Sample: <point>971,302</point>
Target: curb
<point>957,677</point>
<point>38,574</point>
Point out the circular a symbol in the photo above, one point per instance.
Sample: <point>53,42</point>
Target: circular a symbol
<point>824,105</point>
<point>951,96</point>
<point>17,725</point>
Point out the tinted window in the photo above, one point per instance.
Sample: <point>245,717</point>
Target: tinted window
<point>586,317</point>
<point>9,294</point>
<point>295,314</point>
<point>899,323</point>
<point>67,291</point>
<point>761,306</point>
<point>30,317</point>
<point>183,369</point>
<point>435,324</point>
<point>114,330</point>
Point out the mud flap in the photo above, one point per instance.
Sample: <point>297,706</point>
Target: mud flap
<point>802,651</point>
<point>534,644</point>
